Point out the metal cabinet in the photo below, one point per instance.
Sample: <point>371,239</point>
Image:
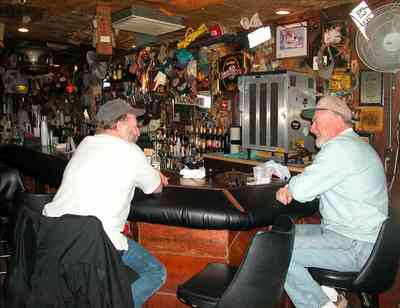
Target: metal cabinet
<point>270,106</point>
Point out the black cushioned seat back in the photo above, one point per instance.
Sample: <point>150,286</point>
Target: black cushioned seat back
<point>379,272</point>
<point>33,201</point>
<point>10,183</point>
<point>260,278</point>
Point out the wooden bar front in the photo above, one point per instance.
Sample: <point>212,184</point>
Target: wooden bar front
<point>185,252</point>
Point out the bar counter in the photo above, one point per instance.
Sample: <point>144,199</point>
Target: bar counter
<point>201,207</point>
<point>185,227</point>
<point>249,163</point>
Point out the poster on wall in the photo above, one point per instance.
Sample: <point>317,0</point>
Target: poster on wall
<point>370,119</point>
<point>231,67</point>
<point>291,40</point>
<point>336,37</point>
<point>371,88</point>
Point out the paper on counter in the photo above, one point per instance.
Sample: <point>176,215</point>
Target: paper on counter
<point>193,173</point>
<point>280,171</point>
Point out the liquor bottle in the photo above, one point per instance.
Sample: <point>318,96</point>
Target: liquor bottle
<point>119,71</point>
<point>209,140</point>
<point>202,140</point>
<point>212,137</point>
<point>114,73</point>
<point>44,132</point>
<point>235,139</point>
<point>195,139</point>
<point>156,160</point>
<point>220,144</point>
<point>227,144</point>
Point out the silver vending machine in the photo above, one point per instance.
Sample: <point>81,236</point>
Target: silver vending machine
<point>270,106</point>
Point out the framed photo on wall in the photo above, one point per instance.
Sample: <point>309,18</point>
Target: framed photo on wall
<point>291,40</point>
<point>371,88</point>
<point>370,119</point>
<point>336,35</point>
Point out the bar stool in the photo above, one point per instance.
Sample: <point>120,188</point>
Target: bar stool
<point>5,253</point>
<point>257,282</point>
<point>10,184</point>
<point>33,201</point>
<point>378,273</point>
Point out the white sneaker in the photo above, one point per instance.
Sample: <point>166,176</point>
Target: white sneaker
<point>330,292</point>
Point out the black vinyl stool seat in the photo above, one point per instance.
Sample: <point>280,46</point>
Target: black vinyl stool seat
<point>5,253</point>
<point>257,282</point>
<point>10,184</point>
<point>33,201</point>
<point>378,273</point>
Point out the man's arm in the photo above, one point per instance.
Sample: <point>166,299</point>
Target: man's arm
<point>164,182</point>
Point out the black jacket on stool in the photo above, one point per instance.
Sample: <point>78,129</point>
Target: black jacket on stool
<point>67,261</point>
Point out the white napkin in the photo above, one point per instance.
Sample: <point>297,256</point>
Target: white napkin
<point>280,171</point>
<point>193,173</point>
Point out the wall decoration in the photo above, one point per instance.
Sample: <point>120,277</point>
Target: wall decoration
<point>336,43</point>
<point>370,119</point>
<point>231,67</point>
<point>291,40</point>
<point>371,88</point>
<point>2,27</point>
<point>341,81</point>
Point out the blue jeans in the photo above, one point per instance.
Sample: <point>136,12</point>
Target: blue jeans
<point>152,272</point>
<point>315,246</point>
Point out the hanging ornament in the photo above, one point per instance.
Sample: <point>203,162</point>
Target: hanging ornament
<point>70,88</point>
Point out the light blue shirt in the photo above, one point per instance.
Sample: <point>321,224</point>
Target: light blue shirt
<point>348,177</point>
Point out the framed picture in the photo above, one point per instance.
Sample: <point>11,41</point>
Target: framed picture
<point>369,119</point>
<point>291,40</point>
<point>335,34</point>
<point>371,88</point>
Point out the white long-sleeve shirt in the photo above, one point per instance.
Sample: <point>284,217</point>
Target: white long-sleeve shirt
<point>100,180</point>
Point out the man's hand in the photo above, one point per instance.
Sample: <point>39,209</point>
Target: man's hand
<point>283,195</point>
<point>164,179</point>
<point>164,182</point>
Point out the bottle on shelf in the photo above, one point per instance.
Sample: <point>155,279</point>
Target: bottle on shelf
<point>209,140</point>
<point>156,160</point>
<point>235,139</point>
<point>220,143</point>
<point>227,143</point>
<point>44,132</point>
<point>214,141</point>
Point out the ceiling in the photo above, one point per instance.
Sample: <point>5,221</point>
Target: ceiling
<point>70,21</point>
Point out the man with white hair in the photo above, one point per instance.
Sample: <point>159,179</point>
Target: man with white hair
<point>348,178</point>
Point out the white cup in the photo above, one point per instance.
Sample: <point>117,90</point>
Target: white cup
<point>262,174</point>
<point>258,173</point>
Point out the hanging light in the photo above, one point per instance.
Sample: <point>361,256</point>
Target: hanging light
<point>23,29</point>
<point>282,12</point>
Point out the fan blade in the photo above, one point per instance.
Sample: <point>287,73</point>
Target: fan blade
<point>396,25</point>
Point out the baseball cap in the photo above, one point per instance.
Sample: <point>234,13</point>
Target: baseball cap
<point>115,108</point>
<point>331,103</point>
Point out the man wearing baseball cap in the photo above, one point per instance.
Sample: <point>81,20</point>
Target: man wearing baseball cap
<point>100,180</point>
<point>348,178</point>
